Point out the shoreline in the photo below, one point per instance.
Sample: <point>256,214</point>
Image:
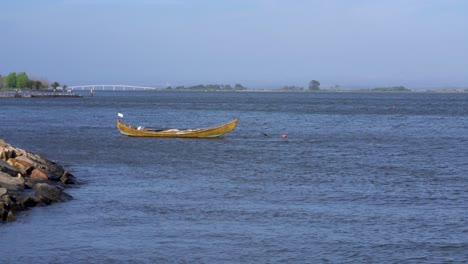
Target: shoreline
<point>48,94</point>
<point>29,180</point>
<point>37,95</point>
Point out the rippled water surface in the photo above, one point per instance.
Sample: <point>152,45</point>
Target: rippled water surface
<point>376,177</point>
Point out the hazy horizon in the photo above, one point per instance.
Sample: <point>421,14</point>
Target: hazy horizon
<point>257,43</point>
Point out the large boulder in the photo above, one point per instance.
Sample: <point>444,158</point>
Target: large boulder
<point>68,178</point>
<point>46,164</point>
<point>6,215</point>
<point>6,151</point>
<point>3,191</point>
<point>24,167</point>
<point>10,217</point>
<point>39,175</point>
<point>48,194</point>
<point>11,183</point>
<point>7,201</point>
<point>25,200</point>
<point>5,154</point>
<point>7,168</point>
<point>27,163</point>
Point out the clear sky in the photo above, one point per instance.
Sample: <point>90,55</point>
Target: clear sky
<point>258,43</point>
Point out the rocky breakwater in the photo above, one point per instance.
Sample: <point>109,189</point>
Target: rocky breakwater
<point>29,180</point>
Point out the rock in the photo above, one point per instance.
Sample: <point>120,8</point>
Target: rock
<point>22,166</point>
<point>4,215</point>
<point>7,201</point>
<point>2,212</point>
<point>30,183</point>
<point>7,151</point>
<point>27,163</point>
<point>39,175</point>
<point>7,168</point>
<point>10,217</point>
<point>2,191</point>
<point>21,171</point>
<point>7,206</point>
<point>46,164</point>
<point>26,201</point>
<point>15,205</point>
<point>53,176</point>
<point>47,194</point>
<point>5,154</point>
<point>68,178</point>
<point>44,174</point>
<point>11,183</point>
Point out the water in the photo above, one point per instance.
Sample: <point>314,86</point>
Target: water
<point>375,177</point>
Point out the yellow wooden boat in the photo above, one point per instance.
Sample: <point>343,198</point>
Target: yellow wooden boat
<point>208,132</point>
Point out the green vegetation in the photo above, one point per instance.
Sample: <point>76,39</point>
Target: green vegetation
<point>21,80</point>
<point>55,85</point>
<point>314,85</point>
<point>391,89</point>
<point>10,80</point>
<point>210,87</point>
<point>292,88</point>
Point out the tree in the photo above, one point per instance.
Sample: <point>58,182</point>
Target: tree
<point>11,80</point>
<point>55,85</point>
<point>314,85</point>
<point>239,86</point>
<point>44,82</point>
<point>391,89</point>
<point>1,82</point>
<point>22,80</point>
<point>64,87</point>
<point>38,85</point>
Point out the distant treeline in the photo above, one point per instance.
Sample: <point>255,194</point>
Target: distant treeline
<point>314,85</point>
<point>292,88</point>
<point>211,87</point>
<point>391,89</point>
<point>21,80</point>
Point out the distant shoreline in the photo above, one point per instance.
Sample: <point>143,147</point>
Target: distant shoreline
<point>312,92</point>
<point>50,94</point>
<point>37,94</point>
<point>357,91</point>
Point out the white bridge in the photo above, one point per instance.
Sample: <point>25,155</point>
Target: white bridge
<point>111,87</point>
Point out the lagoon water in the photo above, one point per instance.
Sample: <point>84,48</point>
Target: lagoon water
<point>360,178</point>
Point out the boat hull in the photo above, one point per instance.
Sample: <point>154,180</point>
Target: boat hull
<point>209,132</point>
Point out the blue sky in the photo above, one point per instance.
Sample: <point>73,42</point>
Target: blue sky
<point>258,43</point>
